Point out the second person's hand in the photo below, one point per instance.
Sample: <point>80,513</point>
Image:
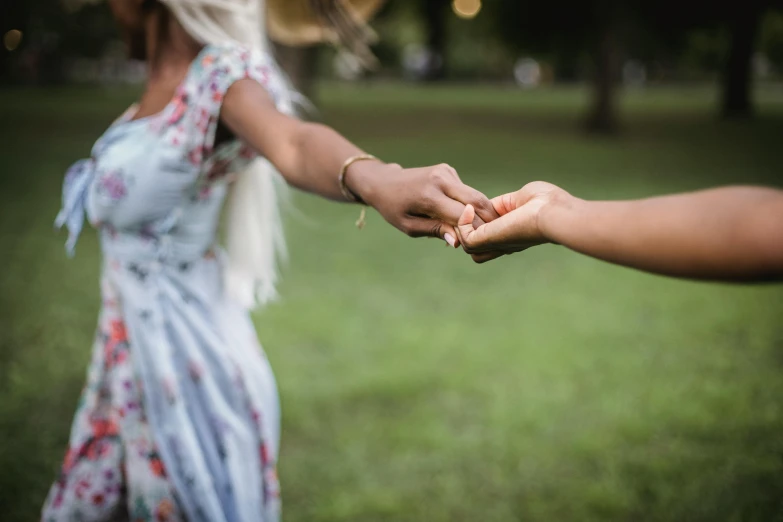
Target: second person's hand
<point>519,227</point>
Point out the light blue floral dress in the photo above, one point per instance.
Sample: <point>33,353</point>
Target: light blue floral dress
<point>179,419</point>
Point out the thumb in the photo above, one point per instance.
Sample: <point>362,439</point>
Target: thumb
<point>471,238</point>
<point>476,240</point>
<point>465,223</point>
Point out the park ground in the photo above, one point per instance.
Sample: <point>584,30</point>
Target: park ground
<point>417,386</point>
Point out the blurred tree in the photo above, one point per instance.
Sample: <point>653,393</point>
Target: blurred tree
<point>673,22</point>
<point>434,13</point>
<point>772,39</point>
<point>704,51</point>
<point>568,33</point>
<point>744,22</point>
<point>604,47</point>
<point>51,35</point>
<point>606,29</point>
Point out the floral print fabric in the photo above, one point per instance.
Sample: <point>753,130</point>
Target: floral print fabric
<point>179,419</point>
<point>111,470</point>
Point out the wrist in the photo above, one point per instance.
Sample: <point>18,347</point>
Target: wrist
<point>557,215</point>
<point>364,177</point>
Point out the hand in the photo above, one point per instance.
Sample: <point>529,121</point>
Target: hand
<point>519,226</point>
<point>421,202</point>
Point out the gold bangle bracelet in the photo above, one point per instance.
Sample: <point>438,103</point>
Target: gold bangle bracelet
<point>349,195</point>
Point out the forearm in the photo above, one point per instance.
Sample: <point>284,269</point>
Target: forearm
<point>424,201</point>
<point>729,233</point>
<point>308,155</point>
<point>319,153</point>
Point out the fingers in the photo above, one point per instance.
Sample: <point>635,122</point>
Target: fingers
<point>470,196</point>
<point>467,234</point>
<point>514,200</point>
<point>425,227</point>
<point>446,209</point>
<point>485,258</point>
<point>510,202</point>
<point>474,240</point>
<point>442,208</point>
<point>465,227</point>
<point>446,178</point>
<point>502,204</point>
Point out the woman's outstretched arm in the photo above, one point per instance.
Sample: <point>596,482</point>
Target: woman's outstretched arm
<point>730,233</point>
<point>420,202</point>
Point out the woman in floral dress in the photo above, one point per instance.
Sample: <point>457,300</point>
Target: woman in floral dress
<point>179,419</point>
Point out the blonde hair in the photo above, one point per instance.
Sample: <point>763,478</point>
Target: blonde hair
<point>254,237</point>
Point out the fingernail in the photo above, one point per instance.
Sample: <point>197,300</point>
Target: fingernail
<point>450,240</point>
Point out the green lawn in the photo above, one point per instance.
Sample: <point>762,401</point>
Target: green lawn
<point>417,386</point>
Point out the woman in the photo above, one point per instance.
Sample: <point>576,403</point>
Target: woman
<point>722,234</point>
<point>179,419</point>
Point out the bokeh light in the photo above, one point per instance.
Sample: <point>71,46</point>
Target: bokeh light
<point>467,9</point>
<point>12,39</point>
<point>527,73</point>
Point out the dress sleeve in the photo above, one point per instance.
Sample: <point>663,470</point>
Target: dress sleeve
<point>197,109</point>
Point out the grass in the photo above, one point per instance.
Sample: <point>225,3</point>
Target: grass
<point>417,386</point>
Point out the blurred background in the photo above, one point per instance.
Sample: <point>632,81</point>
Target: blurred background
<point>417,386</point>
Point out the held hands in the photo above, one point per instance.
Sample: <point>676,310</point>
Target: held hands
<point>519,227</point>
<point>421,202</point>
<point>433,202</point>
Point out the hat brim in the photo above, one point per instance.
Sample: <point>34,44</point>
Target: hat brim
<point>293,22</point>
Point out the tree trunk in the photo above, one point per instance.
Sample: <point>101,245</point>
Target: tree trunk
<point>602,115</point>
<point>738,72</point>
<point>434,13</point>
<point>300,64</point>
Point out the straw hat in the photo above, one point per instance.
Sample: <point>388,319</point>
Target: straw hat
<point>308,22</point>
